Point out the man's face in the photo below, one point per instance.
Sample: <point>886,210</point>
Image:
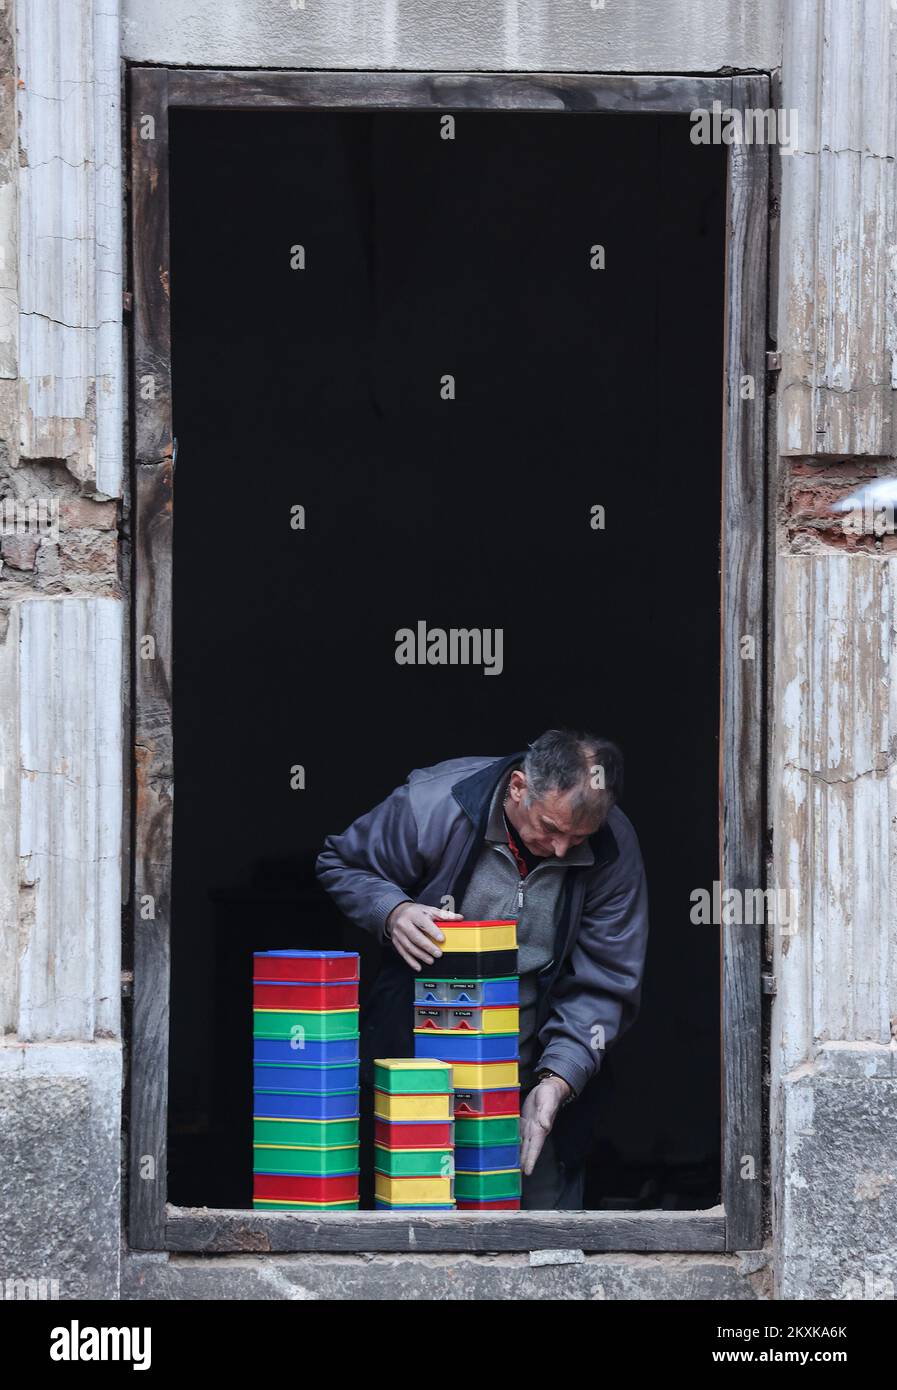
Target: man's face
<point>549,825</point>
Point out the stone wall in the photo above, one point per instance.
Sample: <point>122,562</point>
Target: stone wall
<point>834,736</point>
<point>61,642</point>
<point>63,621</point>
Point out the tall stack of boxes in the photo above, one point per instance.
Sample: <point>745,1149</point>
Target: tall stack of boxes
<point>305,1080</point>
<point>413,1141</point>
<point>466,1013</point>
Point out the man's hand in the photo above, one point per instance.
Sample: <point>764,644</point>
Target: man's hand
<point>537,1117</point>
<point>412,930</point>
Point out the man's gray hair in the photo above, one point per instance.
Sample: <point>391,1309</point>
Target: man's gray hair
<point>563,760</point>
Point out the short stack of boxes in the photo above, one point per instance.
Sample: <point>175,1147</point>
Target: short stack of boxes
<point>466,1013</point>
<point>413,1142</point>
<point>305,1080</point>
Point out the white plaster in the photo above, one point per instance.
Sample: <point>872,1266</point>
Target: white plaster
<point>9,823</point>
<point>70,237</point>
<point>838,228</point>
<point>560,35</point>
<point>832,801</point>
<point>70,748</point>
<point>9,303</point>
<point>69,1061</point>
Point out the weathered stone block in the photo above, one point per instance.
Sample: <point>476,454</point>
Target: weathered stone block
<point>60,1121</point>
<point>835,1229</point>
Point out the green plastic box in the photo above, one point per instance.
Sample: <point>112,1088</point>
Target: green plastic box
<point>482,1186</point>
<point>414,1163</point>
<point>305,1162</point>
<point>315,1027</point>
<point>503,1129</point>
<point>305,1134</point>
<point>412,1076</point>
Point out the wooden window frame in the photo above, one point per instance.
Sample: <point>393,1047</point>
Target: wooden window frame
<point>737,1223</point>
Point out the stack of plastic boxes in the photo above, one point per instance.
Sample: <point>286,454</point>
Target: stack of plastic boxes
<point>305,1080</point>
<point>466,1012</point>
<point>413,1159</point>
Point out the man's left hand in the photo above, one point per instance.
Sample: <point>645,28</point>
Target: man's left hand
<point>537,1117</point>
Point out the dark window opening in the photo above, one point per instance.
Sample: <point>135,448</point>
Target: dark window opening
<point>575,388</point>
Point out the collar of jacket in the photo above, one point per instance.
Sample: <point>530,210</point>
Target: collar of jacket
<point>474,795</point>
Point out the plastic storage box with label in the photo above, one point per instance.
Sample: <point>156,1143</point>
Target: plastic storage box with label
<point>465,1018</point>
<point>486,1103</point>
<point>490,993</point>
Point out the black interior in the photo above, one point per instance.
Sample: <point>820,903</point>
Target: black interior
<point>321,388</point>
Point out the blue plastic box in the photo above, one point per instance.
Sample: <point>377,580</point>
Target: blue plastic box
<point>482,1159</point>
<point>320,1080</point>
<point>467,1047</point>
<point>327,1053</point>
<point>299,1105</point>
<point>402,1206</point>
<point>474,992</point>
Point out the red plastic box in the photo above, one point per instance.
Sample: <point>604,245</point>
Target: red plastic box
<point>312,967</point>
<point>435,1134</point>
<point>481,1103</point>
<point>304,997</point>
<point>282,1188</point>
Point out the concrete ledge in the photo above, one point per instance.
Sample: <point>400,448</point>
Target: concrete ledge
<point>553,35</point>
<point>384,1278</point>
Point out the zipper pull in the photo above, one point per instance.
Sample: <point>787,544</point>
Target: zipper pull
<point>520,895</point>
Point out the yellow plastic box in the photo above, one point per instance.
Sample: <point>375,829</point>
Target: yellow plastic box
<point>478,936</point>
<point>465,1021</point>
<point>412,1107</point>
<point>405,1191</point>
<point>485,1076</point>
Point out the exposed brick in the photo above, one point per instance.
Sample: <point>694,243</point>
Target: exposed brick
<point>810,502</point>
<point>832,471</point>
<point>80,513</point>
<point>819,501</point>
